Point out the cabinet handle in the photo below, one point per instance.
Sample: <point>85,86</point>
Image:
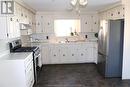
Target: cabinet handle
<point>54,55</point>
<point>72,54</point>
<point>63,54</point>
<point>22,14</point>
<point>11,19</point>
<point>17,20</point>
<point>118,12</point>
<point>82,54</point>
<point>111,14</point>
<point>31,81</point>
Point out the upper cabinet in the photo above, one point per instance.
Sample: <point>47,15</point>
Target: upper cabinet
<point>9,27</point>
<point>113,13</point>
<point>89,23</point>
<point>10,23</point>
<point>44,24</point>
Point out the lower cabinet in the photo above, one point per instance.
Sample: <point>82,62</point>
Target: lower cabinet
<point>69,53</point>
<point>17,73</point>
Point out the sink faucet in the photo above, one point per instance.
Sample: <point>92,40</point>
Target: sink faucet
<point>67,40</point>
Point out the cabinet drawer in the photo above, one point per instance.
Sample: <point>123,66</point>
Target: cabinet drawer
<point>29,68</point>
<point>30,81</point>
<point>30,75</point>
<point>28,60</point>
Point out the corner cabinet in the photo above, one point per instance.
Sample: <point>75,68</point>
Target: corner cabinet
<point>114,13</point>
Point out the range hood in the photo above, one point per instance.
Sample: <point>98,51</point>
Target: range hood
<point>25,26</point>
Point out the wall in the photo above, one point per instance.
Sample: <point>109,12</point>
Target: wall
<point>45,18</point>
<point>126,57</point>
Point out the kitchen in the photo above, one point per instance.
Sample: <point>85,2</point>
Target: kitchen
<point>66,36</point>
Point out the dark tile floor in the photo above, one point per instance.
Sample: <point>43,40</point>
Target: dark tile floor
<point>76,75</point>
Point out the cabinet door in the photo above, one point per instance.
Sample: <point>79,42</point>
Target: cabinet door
<point>95,53</point>
<point>82,53</point>
<point>86,24</point>
<point>64,54</point>
<point>48,24</point>
<point>17,27</point>
<point>46,52</point>
<point>55,54</point>
<point>72,53</point>
<point>95,23</point>
<point>39,24</point>
<point>3,29</point>
<point>120,12</point>
<point>11,28</point>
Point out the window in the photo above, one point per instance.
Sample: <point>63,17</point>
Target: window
<point>66,27</point>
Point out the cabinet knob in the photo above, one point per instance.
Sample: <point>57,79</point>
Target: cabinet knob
<point>22,14</point>
<point>11,19</point>
<point>118,12</point>
<point>72,54</point>
<point>54,55</point>
<point>82,54</point>
<point>63,54</point>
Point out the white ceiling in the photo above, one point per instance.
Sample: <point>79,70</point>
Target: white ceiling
<point>62,5</point>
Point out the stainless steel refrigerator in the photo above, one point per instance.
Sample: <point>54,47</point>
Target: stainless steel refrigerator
<point>110,48</point>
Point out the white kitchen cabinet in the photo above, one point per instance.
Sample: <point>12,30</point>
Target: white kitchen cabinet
<point>95,52</point>
<point>44,24</point>
<point>69,53</point>
<point>86,23</point>
<point>46,54</point>
<point>55,54</point>
<point>39,24</point>
<point>72,53</point>
<point>64,54</point>
<point>48,24</point>
<point>3,30</point>
<point>95,23</point>
<point>16,70</point>
<point>89,23</point>
<point>10,27</point>
<point>114,13</point>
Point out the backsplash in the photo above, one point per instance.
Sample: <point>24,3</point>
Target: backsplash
<point>52,37</point>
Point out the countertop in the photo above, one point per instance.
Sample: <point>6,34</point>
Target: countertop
<point>16,56</point>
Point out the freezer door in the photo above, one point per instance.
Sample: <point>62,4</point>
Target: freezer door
<point>101,63</point>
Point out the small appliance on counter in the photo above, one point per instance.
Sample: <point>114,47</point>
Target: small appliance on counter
<point>16,46</point>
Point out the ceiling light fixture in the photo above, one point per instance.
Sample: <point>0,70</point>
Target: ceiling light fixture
<point>77,4</point>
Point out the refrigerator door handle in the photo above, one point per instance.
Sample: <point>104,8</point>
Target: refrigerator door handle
<point>101,54</point>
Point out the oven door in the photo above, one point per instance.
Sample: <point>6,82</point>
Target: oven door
<point>37,66</point>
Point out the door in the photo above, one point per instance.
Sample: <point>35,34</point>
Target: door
<point>101,63</point>
<point>102,38</point>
